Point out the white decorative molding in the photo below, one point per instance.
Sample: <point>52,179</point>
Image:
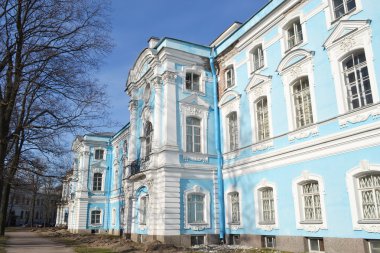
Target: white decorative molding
<point>303,133</point>
<point>206,209</point>
<point>169,77</point>
<point>352,175</point>
<point>196,157</point>
<point>347,44</point>
<point>298,206</point>
<point>267,227</point>
<point>264,145</point>
<point>231,155</point>
<point>234,227</point>
<point>359,116</point>
<point>197,227</point>
<point>258,205</point>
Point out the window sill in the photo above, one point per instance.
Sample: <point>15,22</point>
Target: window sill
<point>369,222</point>
<point>266,223</point>
<point>195,157</point>
<point>344,16</point>
<point>311,222</point>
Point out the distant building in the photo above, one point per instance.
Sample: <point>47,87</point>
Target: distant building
<point>298,96</point>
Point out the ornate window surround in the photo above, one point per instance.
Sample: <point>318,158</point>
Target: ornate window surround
<point>101,216</point>
<point>296,186</point>
<point>296,64</point>
<point>196,69</point>
<point>347,37</point>
<point>230,68</point>
<point>351,180</point>
<point>258,207</point>
<point>200,110</point>
<point>282,30</point>
<point>206,209</point>
<point>229,102</point>
<point>91,181</point>
<point>258,87</point>
<point>227,200</point>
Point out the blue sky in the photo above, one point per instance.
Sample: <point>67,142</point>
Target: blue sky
<point>135,21</point>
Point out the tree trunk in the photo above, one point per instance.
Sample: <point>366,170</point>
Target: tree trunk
<point>4,206</point>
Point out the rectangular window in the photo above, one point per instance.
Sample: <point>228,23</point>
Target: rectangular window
<point>262,119</point>
<point>302,102</point>
<point>294,34</point>
<point>97,182</point>
<point>267,206</point>
<point>195,208</point>
<point>95,217</point>
<point>269,241</point>
<point>143,209</point>
<point>197,240</point>
<point>258,57</point>
<point>233,131</point>
<point>230,77</point>
<point>369,190</point>
<point>374,246</point>
<point>235,209</point>
<point>99,153</point>
<point>192,81</point>
<point>311,202</point>
<point>341,7</point>
<point>316,245</point>
<point>193,135</point>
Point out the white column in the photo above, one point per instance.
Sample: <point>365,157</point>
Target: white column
<point>132,136</point>
<point>158,113</point>
<point>170,110</point>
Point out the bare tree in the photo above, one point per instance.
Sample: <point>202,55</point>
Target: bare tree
<point>49,50</point>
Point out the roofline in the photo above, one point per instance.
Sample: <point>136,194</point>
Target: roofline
<point>225,30</point>
<point>120,131</point>
<point>178,40</point>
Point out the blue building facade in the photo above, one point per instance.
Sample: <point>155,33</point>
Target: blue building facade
<point>297,108</point>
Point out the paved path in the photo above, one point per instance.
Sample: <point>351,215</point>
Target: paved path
<point>29,242</point>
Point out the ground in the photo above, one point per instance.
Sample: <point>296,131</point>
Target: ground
<point>61,241</point>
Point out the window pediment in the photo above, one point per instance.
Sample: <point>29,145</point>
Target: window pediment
<point>292,58</point>
<point>229,97</point>
<point>343,29</point>
<point>194,100</point>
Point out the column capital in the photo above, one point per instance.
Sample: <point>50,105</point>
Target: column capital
<point>169,77</point>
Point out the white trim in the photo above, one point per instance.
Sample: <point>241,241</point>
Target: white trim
<point>260,86</point>
<point>206,209</point>
<point>330,16</point>
<point>291,72</point>
<point>91,183</point>
<point>290,19</point>
<point>195,69</point>
<point>347,37</point>
<point>351,180</point>
<point>249,56</point>
<point>227,106</point>
<point>258,206</point>
<point>101,217</point>
<point>143,226</point>
<point>298,206</point>
<point>227,200</point>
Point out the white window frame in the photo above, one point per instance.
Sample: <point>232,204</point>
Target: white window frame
<point>233,136</point>
<point>261,58</point>
<point>113,216</point>
<point>262,120</point>
<point>230,70</point>
<point>198,70</point>
<point>206,212</point>
<point>143,211</point>
<point>258,206</point>
<point>227,199</point>
<point>260,86</point>
<point>101,217</point>
<point>104,153</point>
<point>193,128</point>
<point>298,202</point>
<point>370,242</point>
<point>200,110</point>
<point>340,44</point>
<point>272,237</point>
<point>102,182</point>
<point>289,20</point>
<point>355,200</point>
<point>330,14</point>
<point>319,245</point>
<point>290,72</point>
<point>230,102</point>
<point>300,81</point>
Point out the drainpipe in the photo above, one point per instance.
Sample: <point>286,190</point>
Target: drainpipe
<point>218,151</point>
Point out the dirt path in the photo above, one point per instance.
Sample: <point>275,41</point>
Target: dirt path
<point>22,242</point>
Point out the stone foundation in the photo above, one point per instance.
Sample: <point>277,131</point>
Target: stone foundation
<point>177,240</point>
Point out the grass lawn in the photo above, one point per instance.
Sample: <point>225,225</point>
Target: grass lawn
<point>2,244</point>
<point>84,249</point>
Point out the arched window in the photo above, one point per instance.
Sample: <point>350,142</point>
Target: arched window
<point>357,81</point>
<point>293,33</point>
<point>97,182</point>
<point>195,208</point>
<point>148,139</point>
<point>258,57</point>
<point>233,131</point>
<point>262,119</point>
<point>193,134</point>
<point>303,112</point>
